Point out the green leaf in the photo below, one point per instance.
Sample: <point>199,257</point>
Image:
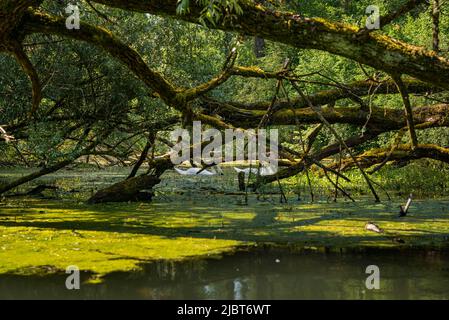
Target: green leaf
<point>183,7</point>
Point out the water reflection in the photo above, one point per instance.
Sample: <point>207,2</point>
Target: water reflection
<point>266,274</point>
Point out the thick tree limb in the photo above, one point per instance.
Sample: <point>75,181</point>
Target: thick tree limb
<point>36,175</point>
<point>176,97</point>
<point>11,19</point>
<point>395,145</point>
<point>401,153</point>
<point>256,72</point>
<point>126,190</point>
<point>324,97</point>
<point>385,119</point>
<point>378,51</point>
<point>31,72</point>
<point>37,22</point>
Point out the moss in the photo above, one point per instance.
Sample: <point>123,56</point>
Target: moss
<point>61,236</point>
<point>335,27</point>
<point>107,238</point>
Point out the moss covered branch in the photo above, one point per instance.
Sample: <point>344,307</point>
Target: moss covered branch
<point>402,153</point>
<point>376,50</point>
<point>324,97</point>
<point>37,22</point>
<point>385,119</point>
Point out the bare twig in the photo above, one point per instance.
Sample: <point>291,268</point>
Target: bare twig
<point>405,8</point>
<point>339,169</point>
<point>408,109</point>
<point>340,140</point>
<point>101,14</point>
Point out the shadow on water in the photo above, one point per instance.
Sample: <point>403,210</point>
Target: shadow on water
<point>264,220</point>
<point>208,219</point>
<point>194,212</point>
<point>259,274</point>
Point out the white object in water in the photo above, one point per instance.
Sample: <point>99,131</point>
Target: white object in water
<point>4,135</point>
<point>372,227</point>
<point>199,171</point>
<point>247,170</point>
<point>264,170</point>
<point>267,170</point>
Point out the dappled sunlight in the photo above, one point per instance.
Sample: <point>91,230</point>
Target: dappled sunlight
<point>114,237</point>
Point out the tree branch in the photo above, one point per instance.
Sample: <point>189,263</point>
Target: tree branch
<point>402,10</point>
<point>340,140</point>
<point>31,72</point>
<point>38,22</point>
<point>378,51</point>
<point>401,153</point>
<point>324,97</point>
<point>226,73</point>
<point>408,109</point>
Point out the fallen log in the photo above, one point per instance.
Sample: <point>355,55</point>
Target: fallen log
<point>127,190</point>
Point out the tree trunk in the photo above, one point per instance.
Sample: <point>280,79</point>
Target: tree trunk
<point>35,175</point>
<point>143,156</point>
<point>127,190</point>
<point>241,179</point>
<point>259,47</point>
<point>436,25</point>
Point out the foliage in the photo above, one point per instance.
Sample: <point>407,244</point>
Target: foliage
<point>119,237</point>
<point>212,10</point>
<point>86,90</point>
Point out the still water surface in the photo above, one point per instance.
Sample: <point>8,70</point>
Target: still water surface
<point>265,274</point>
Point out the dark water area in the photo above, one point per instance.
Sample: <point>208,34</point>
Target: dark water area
<point>264,274</point>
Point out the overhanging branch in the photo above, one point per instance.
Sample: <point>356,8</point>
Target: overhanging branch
<point>376,50</point>
<point>37,22</point>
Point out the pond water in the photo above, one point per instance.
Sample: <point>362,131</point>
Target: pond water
<point>198,210</point>
<point>263,274</point>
